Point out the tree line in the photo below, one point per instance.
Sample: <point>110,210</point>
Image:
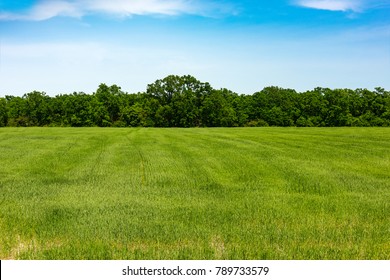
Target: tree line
<point>184,101</point>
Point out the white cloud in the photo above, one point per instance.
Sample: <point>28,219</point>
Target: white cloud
<point>139,7</point>
<point>332,5</point>
<point>46,9</point>
<point>49,9</point>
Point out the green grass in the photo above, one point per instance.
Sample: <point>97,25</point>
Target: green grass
<point>245,193</point>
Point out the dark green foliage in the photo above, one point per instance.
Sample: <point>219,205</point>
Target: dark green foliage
<point>277,106</point>
<point>183,96</point>
<point>183,101</point>
<point>3,112</point>
<point>217,109</point>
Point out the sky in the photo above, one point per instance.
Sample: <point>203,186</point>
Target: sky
<point>66,46</point>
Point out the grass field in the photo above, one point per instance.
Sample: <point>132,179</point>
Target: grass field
<point>237,193</point>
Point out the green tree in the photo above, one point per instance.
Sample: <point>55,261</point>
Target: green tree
<point>17,111</point>
<point>217,109</point>
<point>107,102</point>
<point>37,108</point>
<point>313,107</point>
<point>276,106</point>
<point>3,112</point>
<point>386,104</point>
<point>184,95</point>
<point>164,116</point>
<point>138,115</point>
<point>183,101</point>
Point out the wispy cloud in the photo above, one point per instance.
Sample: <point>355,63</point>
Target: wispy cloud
<point>46,9</point>
<point>332,5</point>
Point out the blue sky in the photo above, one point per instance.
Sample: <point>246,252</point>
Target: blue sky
<point>61,46</point>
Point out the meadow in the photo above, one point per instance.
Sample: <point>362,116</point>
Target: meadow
<point>215,193</point>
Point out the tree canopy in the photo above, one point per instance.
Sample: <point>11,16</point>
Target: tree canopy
<point>184,101</point>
